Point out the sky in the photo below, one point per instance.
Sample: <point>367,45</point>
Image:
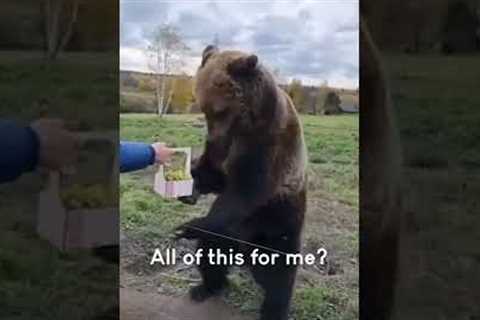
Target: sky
<point>310,40</point>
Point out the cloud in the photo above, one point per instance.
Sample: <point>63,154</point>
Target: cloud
<point>143,12</point>
<point>305,39</point>
<point>133,59</point>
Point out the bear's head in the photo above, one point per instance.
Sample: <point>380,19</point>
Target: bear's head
<point>237,95</point>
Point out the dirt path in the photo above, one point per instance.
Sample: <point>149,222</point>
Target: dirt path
<point>151,293</point>
<point>136,305</point>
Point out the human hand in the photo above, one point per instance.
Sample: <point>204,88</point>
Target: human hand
<point>162,152</point>
<point>58,147</point>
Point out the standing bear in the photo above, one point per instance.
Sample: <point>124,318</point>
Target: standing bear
<point>254,160</point>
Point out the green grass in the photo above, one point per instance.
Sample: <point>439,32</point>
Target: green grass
<point>37,281</point>
<point>436,102</point>
<point>175,130</point>
<point>317,303</point>
<point>437,99</point>
<point>31,88</point>
<point>141,208</point>
<point>332,142</point>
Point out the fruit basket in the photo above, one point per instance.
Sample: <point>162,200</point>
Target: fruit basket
<point>79,209</point>
<point>174,180</point>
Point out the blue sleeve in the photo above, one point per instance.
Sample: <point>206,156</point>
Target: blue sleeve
<point>18,150</point>
<point>135,156</point>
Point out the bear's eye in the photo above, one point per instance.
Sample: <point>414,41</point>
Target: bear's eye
<point>223,84</point>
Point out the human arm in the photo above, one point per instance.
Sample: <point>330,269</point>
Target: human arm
<point>139,155</point>
<point>19,147</point>
<point>43,143</point>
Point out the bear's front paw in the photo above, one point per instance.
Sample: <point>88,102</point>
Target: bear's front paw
<point>191,200</point>
<point>208,179</point>
<point>190,230</point>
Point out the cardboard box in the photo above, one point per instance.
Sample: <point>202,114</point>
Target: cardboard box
<point>78,228</point>
<point>85,227</point>
<point>174,189</point>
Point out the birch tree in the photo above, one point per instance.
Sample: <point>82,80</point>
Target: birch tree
<point>166,54</point>
<point>60,19</point>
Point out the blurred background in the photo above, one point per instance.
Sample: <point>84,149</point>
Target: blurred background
<point>59,59</point>
<point>431,54</point>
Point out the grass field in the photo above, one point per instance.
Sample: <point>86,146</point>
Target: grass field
<point>323,292</point>
<point>436,100</point>
<point>79,87</point>
<point>38,281</point>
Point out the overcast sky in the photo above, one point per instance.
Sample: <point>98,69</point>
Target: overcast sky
<point>314,40</point>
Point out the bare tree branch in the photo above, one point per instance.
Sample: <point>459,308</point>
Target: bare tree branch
<point>56,40</point>
<point>73,20</point>
<point>166,53</point>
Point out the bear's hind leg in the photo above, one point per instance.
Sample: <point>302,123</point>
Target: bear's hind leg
<point>277,282</point>
<point>214,277</point>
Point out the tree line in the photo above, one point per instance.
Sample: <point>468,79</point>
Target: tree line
<point>139,90</point>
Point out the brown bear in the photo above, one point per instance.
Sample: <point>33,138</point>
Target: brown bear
<point>254,160</point>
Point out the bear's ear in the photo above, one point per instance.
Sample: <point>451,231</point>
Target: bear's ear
<point>243,65</point>
<point>208,52</point>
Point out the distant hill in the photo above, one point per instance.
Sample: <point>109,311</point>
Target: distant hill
<point>137,93</point>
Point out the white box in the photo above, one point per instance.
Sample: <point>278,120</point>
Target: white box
<point>74,229</point>
<point>174,189</point>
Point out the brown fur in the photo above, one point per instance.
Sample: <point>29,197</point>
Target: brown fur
<point>264,117</point>
<point>255,160</point>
